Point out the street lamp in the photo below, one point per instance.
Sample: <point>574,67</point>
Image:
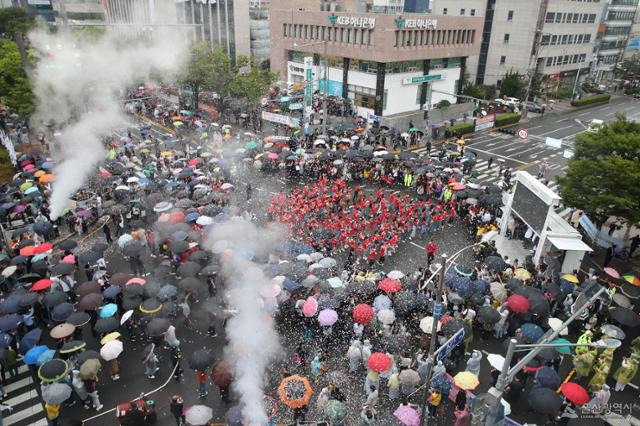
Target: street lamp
<point>326,80</point>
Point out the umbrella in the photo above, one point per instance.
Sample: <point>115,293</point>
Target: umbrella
<point>234,416</point>
<point>362,313</point>
<point>78,319</point>
<point>221,374</point>
<point>612,272</point>
<point>110,337</point>
<point>621,300</point>
<point>531,332</point>
<point>41,285</point>
<point>327,317</point>
<point>86,355</point>
<point>132,248</point>
<point>88,287</point>
<point>566,350</point>
<point>624,316</point>
<point>488,315</point>
<point>518,303</point>
<point>61,331</point>
<point>30,339</point>
<point>426,325</point>
<point>382,302</point>
<point>189,269</point>
<point>63,269</point>
<point>56,393</point>
<point>544,400</point>
<point>106,325</point>
<point>150,306</point>
<point>452,327</point>
<point>409,377</point>
<point>548,378</point>
<point>67,245</point>
<point>575,393</point>
<point>335,410</point>
<point>157,326</point>
<point>29,299</point>
<point>396,275</point>
<point>310,307</point>
<point>111,292</point>
<point>166,292</point>
<point>613,331</point>
<point>555,324</point>
<point>379,362</point>
<point>389,285</point>
<point>32,355</point>
<point>386,316</point>
<point>10,322</point>
<point>90,368</point>
<point>53,370</point>
<point>496,263</point>
<point>111,350</point>
<point>11,304</point>
<point>126,316</point>
<point>522,274</point>
<point>90,302</point>
<point>198,414</point>
<point>120,279</point>
<point>295,391</point>
<point>407,415</point>
<point>466,380</point>
<point>496,361</point>
<point>72,346</point>
<point>201,360</point>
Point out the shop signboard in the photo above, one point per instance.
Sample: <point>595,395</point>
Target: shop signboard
<point>485,122</point>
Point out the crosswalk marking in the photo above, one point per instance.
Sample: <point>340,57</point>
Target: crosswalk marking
<point>23,397</point>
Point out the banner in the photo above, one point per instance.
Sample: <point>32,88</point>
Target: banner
<point>8,145</point>
<point>279,118</point>
<point>486,122</point>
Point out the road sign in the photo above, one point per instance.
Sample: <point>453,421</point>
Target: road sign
<point>523,134</point>
<point>454,341</point>
<point>422,79</point>
<point>437,310</point>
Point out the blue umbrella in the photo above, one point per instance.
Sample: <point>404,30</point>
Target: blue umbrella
<point>166,292</point>
<point>381,302</point>
<point>11,304</point>
<point>179,236</point>
<point>5,340</point>
<point>112,291</point>
<point>480,287</point>
<point>531,332</point>
<point>10,322</point>
<point>108,310</point>
<point>191,217</point>
<point>62,311</point>
<point>45,356</point>
<point>47,165</point>
<point>462,286</point>
<point>248,254</point>
<point>548,378</point>
<point>566,286</point>
<point>32,355</point>
<point>289,284</point>
<point>302,248</point>
<point>30,340</point>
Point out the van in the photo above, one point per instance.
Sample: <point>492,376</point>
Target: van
<point>595,125</point>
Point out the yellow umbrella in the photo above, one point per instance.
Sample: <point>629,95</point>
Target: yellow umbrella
<point>109,337</point>
<point>39,173</point>
<point>166,154</point>
<point>570,278</point>
<point>466,380</point>
<point>28,184</point>
<point>47,178</point>
<point>259,156</point>
<point>522,274</point>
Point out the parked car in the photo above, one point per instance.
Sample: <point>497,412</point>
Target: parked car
<point>534,107</point>
<point>595,125</point>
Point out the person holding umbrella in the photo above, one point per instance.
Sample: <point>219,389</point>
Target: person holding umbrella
<point>150,362</point>
<point>222,377</point>
<point>177,409</point>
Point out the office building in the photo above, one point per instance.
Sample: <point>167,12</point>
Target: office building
<point>613,36</point>
<point>632,50</point>
<point>259,32</point>
<point>389,65</point>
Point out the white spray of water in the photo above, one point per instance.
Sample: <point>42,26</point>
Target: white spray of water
<point>79,86</point>
<point>253,339</point>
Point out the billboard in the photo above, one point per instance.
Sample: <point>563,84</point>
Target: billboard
<point>530,208</point>
<point>333,89</point>
<point>486,122</point>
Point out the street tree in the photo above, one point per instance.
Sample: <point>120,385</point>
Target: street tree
<point>250,81</point>
<point>512,85</point>
<point>15,89</point>
<point>15,20</point>
<point>200,70</point>
<point>603,177</point>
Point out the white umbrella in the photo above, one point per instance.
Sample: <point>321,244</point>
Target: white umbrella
<point>304,257</point>
<point>125,317</point>
<point>204,220</point>
<point>328,262</point>
<point>316,256</point>
<point>111,350</point>
<point>315,266</point>
<point>498,291</point>
<point>426,325</point>
<point>396,275</point>
<point>386,316</point>
<point>496,361</point>
<point>163,206</point>
<point>123,188</point>
<point>132,179</point>
<point>198,414</point>
<point>9,270</point>
<point>226,186</point>
<point>555,324</point>
<point>335,282</point>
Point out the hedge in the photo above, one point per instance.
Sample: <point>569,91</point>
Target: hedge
<point>462,128</point>
<point>596,99</point>
<point>506,119</point>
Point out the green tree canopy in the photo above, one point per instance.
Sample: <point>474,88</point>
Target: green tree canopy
<point>512,85</point>
<point>15,19</point>
<point>15,89</point>
<point>200,70</point>
<point>603,178</point>
<point>249,81</point>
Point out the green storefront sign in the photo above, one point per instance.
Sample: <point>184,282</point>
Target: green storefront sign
<point>425,78</point>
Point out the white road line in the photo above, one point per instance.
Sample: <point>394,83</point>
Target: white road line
<point>584,114</point>
<point>553,131</point>
<point>417,245</point>
<point>23,414</point>
<point>534,127</point>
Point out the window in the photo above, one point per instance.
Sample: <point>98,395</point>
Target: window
<point>503,59</point>
<point>587,38</point>
<point>544,41</point>
<point>579,38</point>
<point>510,15</point>
<point>558,18</point>
<point>444,11</point>
<point>462,12</point>
<point>473,12</point>
<point>569,17</point>
<point>549,61</point>
<point>584,18</point>
<point>506,39</point>
<point>548,19</point>
<point>564,39</point>
<point>565,60</point>
<point>592,18</point>
<point>575,19</point>
<point>554,40</point>
<point>570,41</point>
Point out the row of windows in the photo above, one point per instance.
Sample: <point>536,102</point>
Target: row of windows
<point>359,36</point>
<point>409,38</point>
<point>588,1</point>
<point>617,31</point>
<point>565,59</point>
<point>570,18</point>
<point>472,12</point>
<point>620,16</point>
<point>559,40</point>
<point>624,3</point>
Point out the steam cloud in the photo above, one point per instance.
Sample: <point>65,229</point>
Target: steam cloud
<point>253,339</point>
<point>79,86</point>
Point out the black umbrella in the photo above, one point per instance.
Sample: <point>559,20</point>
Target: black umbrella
<point>162,271</point>
<point>67,245</point>
<point>404,302</point>
<point>179,246</point>
<point>496,263</point>
<point>78,319</point>
<point>131,302</point>
<point>29,299</point>
<point>10,322</point>
<point>100,248</point>
<point>133,248</point>
<point>11,304</point>
<point>362,288</point>
<point>209,271</point>
<point>43,228</point>
<point>106,325</point>
<point>86,355</point>
<point>54,298</point>
<point>19,260</point>
<point>120,278</point>
<point>133,290</point>
<point>40,267</point>
<point>545,401</point>
<point>157,326</point>
<point>89,257</point>
<point>72,346</point>
<point>150,306</point>
<point>452,327</point>
<point>624,316</point>
<point>190,283</point>
<point>201,359</point>
<point>63,269</point>
<point>488,315</point>
<point>198,255</point>
<point>90,302</point>
<point>53,370</point>
<point>26,243</point>
<point>189,269</point>
<point>61,312</point>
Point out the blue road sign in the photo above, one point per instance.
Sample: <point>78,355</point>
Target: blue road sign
<point>453,341</point>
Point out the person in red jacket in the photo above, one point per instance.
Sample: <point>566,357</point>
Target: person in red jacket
<point>431,251</point>
<point>382,252</point>
<point>372,257</point>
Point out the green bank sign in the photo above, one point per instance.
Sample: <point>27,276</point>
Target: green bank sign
<point>422,79</point>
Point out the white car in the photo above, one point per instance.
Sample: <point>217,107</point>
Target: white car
<point>595,125</point>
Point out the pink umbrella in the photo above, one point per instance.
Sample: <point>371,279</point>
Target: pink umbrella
<point>612,272</point>
<point>407,415</point>
<point>272,156</point>
<point>70,259</point>
<point>271,290</point>
<point>327,317</point>
<point>310,307</point>
<point>164,217</point>
<point>28,167</point>
<point>136,280</point>
<point>19,208</point>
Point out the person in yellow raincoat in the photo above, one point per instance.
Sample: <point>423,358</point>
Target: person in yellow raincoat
<point>601,370</point>
<point>626,372</point>
<point>583,361</point>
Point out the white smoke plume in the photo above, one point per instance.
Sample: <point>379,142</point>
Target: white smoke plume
<point>253,341</point>
<point>80,85</point>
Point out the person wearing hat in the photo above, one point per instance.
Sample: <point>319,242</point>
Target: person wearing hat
<point>177,409</point>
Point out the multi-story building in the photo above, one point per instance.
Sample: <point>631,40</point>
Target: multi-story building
<point>554,37</point>
<point>389,65</point>
<point>259,31</point>
<point>615,29</point>
<point>632,51</point>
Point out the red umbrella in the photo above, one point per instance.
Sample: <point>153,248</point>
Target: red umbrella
<point>105,174</point>
<point>612,272</point>
<point>445,319</point>
<point>41,285</point>
<point>379,362</point>
<point>28,251</point>
<point>575,393</point>
<point>389,285</point>
<point>362,313</point>
<point>43,248</point>
<point>518,303</point>
<point>176,217</point>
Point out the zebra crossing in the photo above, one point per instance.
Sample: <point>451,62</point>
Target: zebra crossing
<point>488,176</point>
<point>24,399</point>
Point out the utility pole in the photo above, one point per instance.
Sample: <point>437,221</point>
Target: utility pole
<point>542,12</point>
<point>437,311</point>
<point>326,83</point>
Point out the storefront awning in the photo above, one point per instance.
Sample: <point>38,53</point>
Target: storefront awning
<point>573,244</point>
